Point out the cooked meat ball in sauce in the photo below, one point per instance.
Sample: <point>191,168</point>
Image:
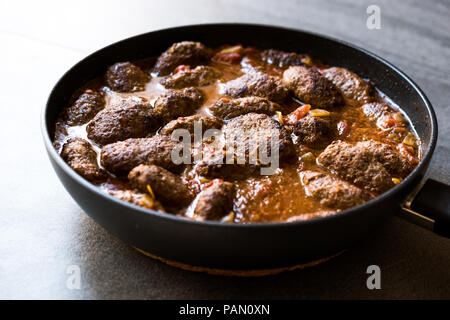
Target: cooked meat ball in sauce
<point>314,131</point>
<point>178,103</point>
<point>120,157</point>
<point>332,192</point>
<point>245,138</point>
<point>225,108</point>
<point>256,84</point>
<point>128,119</point>
<point>82,158</point>
<point>256,130</point>
<point>354,89</point>
<point>284,59</point>
<point>200,76</point>
<point>215,201</point>
<point>137,198</point>
<point>126,77</point>
<point>84,108</point>
<point>189,123</point>
<point>370,164</point>
<point>165,186</point>
<point>341,142</point>
<point>182,53</point>
<point>310,86</point>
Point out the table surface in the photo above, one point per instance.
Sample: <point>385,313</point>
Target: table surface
<point>42,230</point>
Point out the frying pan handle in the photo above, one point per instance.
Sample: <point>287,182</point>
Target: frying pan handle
<point>429,207</point>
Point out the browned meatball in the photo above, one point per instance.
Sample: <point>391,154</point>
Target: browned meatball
<point>284,59</point>
<point>178,103</point>
<point>225,108</point>
<point>186,52</point>
<point>394,163</point>
<point>314,131</point>
<point>139,199</point>
<point>245,137</point>
<point>121,157</point>
<point>126,77</point>
<point>311,87</point>
<point>82,158</point>
<point>215,167</point>
<point>198,77</point>
<point>215,201</point>
<point>128,119</point>
<point>166,186</point>
<point>84,108</point>
<point>256,84</point>
<point>256,130</point>
<point>332,192</point>
<point>368,164</point>
<point>355,90</point>
<point>188,123</point>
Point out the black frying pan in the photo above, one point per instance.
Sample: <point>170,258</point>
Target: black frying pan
<point>263,245</point>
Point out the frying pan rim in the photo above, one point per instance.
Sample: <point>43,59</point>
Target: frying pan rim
<point>263,225</point>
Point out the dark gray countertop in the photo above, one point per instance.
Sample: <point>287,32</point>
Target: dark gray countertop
<point>42,230</point>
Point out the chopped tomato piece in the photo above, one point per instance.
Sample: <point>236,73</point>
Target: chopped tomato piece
<point>211,183</point>
<point>387,123</point>
<point>406,151</point>
<point>182,68</point>
<point>293,117</point>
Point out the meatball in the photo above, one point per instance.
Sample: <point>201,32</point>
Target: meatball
<point>245,138</point>
<point>256,84</point>
<point>225,108</point>
<point>121,157</point>
<point>256,130</point>
<point>368,164</point>
<point>178,103</point>
<point>82,158</point>
<point>314,131</point>
<point>126,77</point>
<point>198,77</point>
<point>188,123</point>
<point>284,59</point>
<point>215,166</point>
<point>139,199</point>
<point>215,201</point>
<point>355,90</point>
<point>332,192</point>
<point>186,52</point>
<point>128,119</point>
<point>84,108</point>
<point>166,186</point>
<point>394,163</point>
<point>311,87</point>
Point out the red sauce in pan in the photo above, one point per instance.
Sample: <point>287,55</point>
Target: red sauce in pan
<point>278,197</point>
